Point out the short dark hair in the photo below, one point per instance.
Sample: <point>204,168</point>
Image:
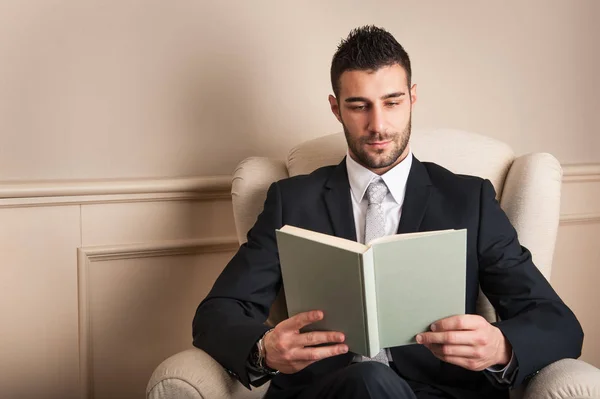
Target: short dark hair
<point>367,48</point>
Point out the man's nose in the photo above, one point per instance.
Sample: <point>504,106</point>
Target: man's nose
<point>376,120</point>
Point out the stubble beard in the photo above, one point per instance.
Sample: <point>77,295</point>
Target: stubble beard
<point>367,159</point>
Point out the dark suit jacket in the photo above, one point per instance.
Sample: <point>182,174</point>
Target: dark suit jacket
<point>539,326</point>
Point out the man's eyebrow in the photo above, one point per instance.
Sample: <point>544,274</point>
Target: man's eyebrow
<point>366,100</point>
<point>393,95</point>
<point>356,100</point>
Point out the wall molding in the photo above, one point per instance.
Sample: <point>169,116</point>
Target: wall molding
<point>589,172</point>
<point>51,193</point>
<point>577,218</point>
<point>199,188</point>
<point>88,255</point>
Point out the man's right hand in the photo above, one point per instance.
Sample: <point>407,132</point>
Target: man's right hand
<point>290,351</point>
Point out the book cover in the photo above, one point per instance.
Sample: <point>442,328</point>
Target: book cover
<point>379,295</point>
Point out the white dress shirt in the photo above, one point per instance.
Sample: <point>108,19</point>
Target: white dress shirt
<point>395,179</point>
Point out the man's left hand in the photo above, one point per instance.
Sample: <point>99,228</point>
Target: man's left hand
<point>468,341</point>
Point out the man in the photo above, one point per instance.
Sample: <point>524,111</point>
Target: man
<point>462,356</point>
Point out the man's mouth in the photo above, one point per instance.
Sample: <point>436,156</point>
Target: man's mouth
<point>378,144</point>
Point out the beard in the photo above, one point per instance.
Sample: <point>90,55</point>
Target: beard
<point>378,159</point>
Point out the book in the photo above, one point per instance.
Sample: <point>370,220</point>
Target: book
<point>380,295</point>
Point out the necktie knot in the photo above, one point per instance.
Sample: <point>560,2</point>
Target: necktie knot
<point>376,191</point>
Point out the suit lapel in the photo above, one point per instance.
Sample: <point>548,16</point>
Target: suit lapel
<point>339,204</point>
<point>418,190</point>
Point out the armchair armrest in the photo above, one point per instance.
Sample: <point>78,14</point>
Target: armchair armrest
<point>194,374</point>
<point>531,200</point>
<point>567,378</point>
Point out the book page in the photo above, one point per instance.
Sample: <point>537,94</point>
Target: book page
<point>397,237</point>
<point>326,239</point>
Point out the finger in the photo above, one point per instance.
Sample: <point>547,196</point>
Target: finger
<point>300,320</point>
<point>318,353</point>
<point>460,322</point>
<point>448,337</point>
<point>447,351</point>
<point>319,337</point>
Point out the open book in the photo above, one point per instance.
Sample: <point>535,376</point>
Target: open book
<point>379,295</point>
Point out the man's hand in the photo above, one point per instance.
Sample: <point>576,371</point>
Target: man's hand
<point>289,351</point>
<point>468,341</point>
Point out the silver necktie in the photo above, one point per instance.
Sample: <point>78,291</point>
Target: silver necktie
<point>375,228</point>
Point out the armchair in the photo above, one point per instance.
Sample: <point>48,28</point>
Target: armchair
<point>528,188</point>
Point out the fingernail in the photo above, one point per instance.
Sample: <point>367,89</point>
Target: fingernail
<point>433,328</point>
<point>344,349</point>
<point>419,338</point>
<point>342,338</point>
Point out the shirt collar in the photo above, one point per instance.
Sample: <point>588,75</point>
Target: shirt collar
<point>395,179</point>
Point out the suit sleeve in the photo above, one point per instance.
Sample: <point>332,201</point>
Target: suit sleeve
<point>230,320</point>
<point>536,322</point>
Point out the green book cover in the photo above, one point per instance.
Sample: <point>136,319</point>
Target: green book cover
<point>379,295</point>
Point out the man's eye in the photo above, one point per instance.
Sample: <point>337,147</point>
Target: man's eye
<point>392,104</point>
<point>359,107</point>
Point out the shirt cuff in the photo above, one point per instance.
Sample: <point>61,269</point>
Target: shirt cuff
<point>506,374</point>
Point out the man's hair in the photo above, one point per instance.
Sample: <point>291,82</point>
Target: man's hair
<point>367,48</point>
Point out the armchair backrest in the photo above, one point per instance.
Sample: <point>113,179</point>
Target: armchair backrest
<point>528,187</point>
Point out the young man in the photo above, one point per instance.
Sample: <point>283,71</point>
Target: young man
<point>380,188</point>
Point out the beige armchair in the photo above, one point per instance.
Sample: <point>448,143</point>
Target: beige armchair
<point>529,190</point>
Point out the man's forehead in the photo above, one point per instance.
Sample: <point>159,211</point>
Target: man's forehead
<point>373,83</point>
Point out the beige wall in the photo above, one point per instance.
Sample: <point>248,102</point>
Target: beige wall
<point>96,290</point>
<point>127,89</point>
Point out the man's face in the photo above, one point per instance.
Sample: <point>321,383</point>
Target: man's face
<point>375,107</point>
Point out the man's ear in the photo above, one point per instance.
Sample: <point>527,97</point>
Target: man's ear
<point>335,108</point>
<point>413,95</point>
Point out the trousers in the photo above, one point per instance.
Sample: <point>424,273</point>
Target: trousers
<point>367,380</point>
